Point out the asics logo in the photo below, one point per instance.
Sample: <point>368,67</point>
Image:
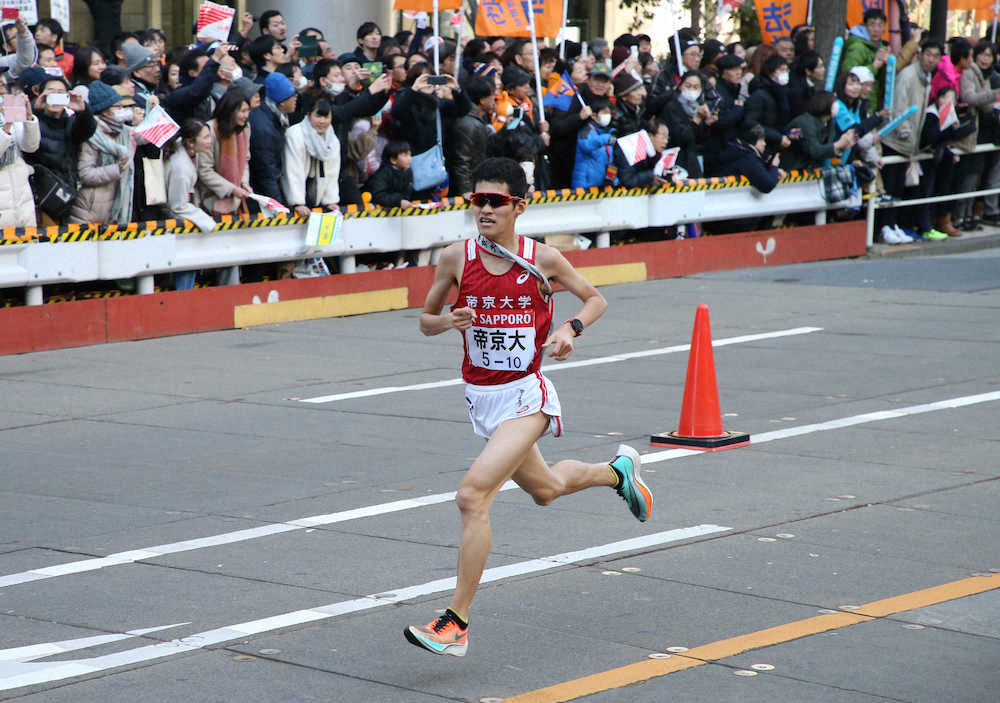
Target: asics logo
<point>523,277</point>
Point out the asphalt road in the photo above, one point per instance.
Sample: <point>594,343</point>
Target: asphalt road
<point>177,523</point>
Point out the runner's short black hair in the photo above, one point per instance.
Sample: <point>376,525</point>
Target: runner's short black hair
<point>502,170</point>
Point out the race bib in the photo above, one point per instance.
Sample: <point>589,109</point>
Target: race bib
<point>502,341</point>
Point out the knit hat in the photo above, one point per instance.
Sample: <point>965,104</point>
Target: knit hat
<point>863,74</point>
<point>729,61</point>
<point>711,49</point>
<point>102,96</point>
<point>625,83</point>
<point>136,56</point>
<point>278,88</point>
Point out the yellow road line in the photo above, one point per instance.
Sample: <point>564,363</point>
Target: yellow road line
<point>320,307</point>
<point>714,651</point>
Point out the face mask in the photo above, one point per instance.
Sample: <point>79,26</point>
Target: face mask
<point>236,74</point>
<point>781,78</point>
<point>335,88</point>
<point>604,119</point>
<point>123,115</point>
<point>691,95</point>
<point>301,82</point>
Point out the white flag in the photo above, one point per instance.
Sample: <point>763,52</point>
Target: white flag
<point>636,147</point>
<point>158,128</point>
<point>214,21</point>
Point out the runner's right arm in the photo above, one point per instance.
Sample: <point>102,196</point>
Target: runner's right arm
<point>449,268</point>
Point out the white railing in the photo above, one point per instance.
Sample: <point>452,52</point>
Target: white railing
<point>37,264</point>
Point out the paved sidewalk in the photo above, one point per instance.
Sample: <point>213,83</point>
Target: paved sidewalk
<point>988,238</point>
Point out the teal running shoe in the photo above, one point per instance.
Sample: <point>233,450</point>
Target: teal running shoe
<point>628,465</point>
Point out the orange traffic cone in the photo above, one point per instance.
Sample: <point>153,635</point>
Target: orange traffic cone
<point>701,419</point>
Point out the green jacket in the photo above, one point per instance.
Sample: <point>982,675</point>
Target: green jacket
<point>859,50</point>
<point>811,149</point>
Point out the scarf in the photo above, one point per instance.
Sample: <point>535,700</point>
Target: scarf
<point>232,162</point>
<point>690,106</point>
<point>321,147</point>
<point>502,253</point>
<point>112,146</point>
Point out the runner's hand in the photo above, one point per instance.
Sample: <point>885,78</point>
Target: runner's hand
<point>561,342</point>
<point>462,318</point>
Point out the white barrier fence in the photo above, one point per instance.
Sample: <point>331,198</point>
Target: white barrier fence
<point>37,264</point>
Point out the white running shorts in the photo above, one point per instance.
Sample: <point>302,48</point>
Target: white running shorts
<point>491,406</point>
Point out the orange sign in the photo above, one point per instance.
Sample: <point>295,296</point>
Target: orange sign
<point>777,17</point>
<point>856,11</point>
<point>509,18</point>
<point>426,5</point>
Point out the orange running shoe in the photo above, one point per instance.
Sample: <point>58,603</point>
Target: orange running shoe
<point>442,636</point>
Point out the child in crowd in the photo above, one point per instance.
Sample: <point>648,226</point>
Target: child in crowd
<point>392,184</point>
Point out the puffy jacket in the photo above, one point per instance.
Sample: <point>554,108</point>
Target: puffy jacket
<point>812,148</point>
<point>94,200</point>
<point>627,119</point>
<point>413,113</point>
<point>686,135</point>
<point>743,160</point>
<point>767,106</point>
<point>976,92</point>
<point>913,87</point>
<point>182,195</point>
<point>60,140</point>
<point>267,149</point>
<point>389,186</point>
<point>593,156</point>
<point>725,130</point>
<point>17,205</point>
<point>563,128</point>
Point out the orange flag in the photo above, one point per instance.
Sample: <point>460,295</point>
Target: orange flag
<point>856,11</point>
<point>509,18</point>
<point>426,5</point>
<point>777,17</point>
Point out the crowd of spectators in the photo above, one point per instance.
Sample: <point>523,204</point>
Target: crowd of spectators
<point>290,117</point>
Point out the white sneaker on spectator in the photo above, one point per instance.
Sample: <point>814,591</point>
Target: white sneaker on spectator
<point>889,235</point>
<point>904,238</point>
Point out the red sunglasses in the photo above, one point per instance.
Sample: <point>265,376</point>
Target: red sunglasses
<point>494,200</point>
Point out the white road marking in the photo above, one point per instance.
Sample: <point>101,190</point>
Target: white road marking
<point>406,504</point>
<point>28,674</point>
<point>549,368</point>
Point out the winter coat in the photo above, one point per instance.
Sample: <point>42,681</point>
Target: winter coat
<point>741,159</point>
<point>725,130</point>
<point>267,150</point>
<point>767,106</point>
<point>187,101</point>
<point>860,50</point>
<point>413,113</point>
<point>183,202</point>
<point>472,140</point>
<point>17,204</point>
<point>211,185</point>
<point>298,165</point>
<point>389,185</point>
<point>799,92</point>
<point>100,183</point>
<point>976,92</point>
<point>913,87</point>
<point>686,135</point>
<point>811,149</point>
<point>593,156</point>
<point>627,119</point>
<point>60,140</point>
<point>637,175</point>
<point>563,128</point>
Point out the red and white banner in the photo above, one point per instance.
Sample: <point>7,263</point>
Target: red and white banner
<point>636,147</point>
<point>666,162</point>
<point>214,21</point>
<point>270,203</point>
<point>158,128</point>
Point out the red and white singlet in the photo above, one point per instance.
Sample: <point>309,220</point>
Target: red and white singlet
<point>512,319</point>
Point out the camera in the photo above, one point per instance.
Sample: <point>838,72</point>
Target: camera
<point>437,80</point>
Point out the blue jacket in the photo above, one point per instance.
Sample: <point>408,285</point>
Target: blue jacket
<point>593,155</point>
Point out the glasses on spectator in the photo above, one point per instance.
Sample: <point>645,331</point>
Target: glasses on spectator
<point>494,200</point>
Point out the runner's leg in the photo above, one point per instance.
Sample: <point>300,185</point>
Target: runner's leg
<point>504,454</point>
<point>545,483</point>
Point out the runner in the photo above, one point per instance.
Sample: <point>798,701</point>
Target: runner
<point>504,312</point>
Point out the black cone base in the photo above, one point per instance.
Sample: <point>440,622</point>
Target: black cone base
<point>729,440</point>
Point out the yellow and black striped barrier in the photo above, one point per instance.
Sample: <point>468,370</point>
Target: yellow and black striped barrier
<point>138,230</point>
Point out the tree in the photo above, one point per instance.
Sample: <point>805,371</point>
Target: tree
<point>939,19</point>
<point>830,23</point>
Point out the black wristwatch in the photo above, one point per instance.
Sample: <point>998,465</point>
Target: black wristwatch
<point>577,326</point>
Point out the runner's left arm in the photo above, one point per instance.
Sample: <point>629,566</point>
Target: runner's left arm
<point>557,268</point>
